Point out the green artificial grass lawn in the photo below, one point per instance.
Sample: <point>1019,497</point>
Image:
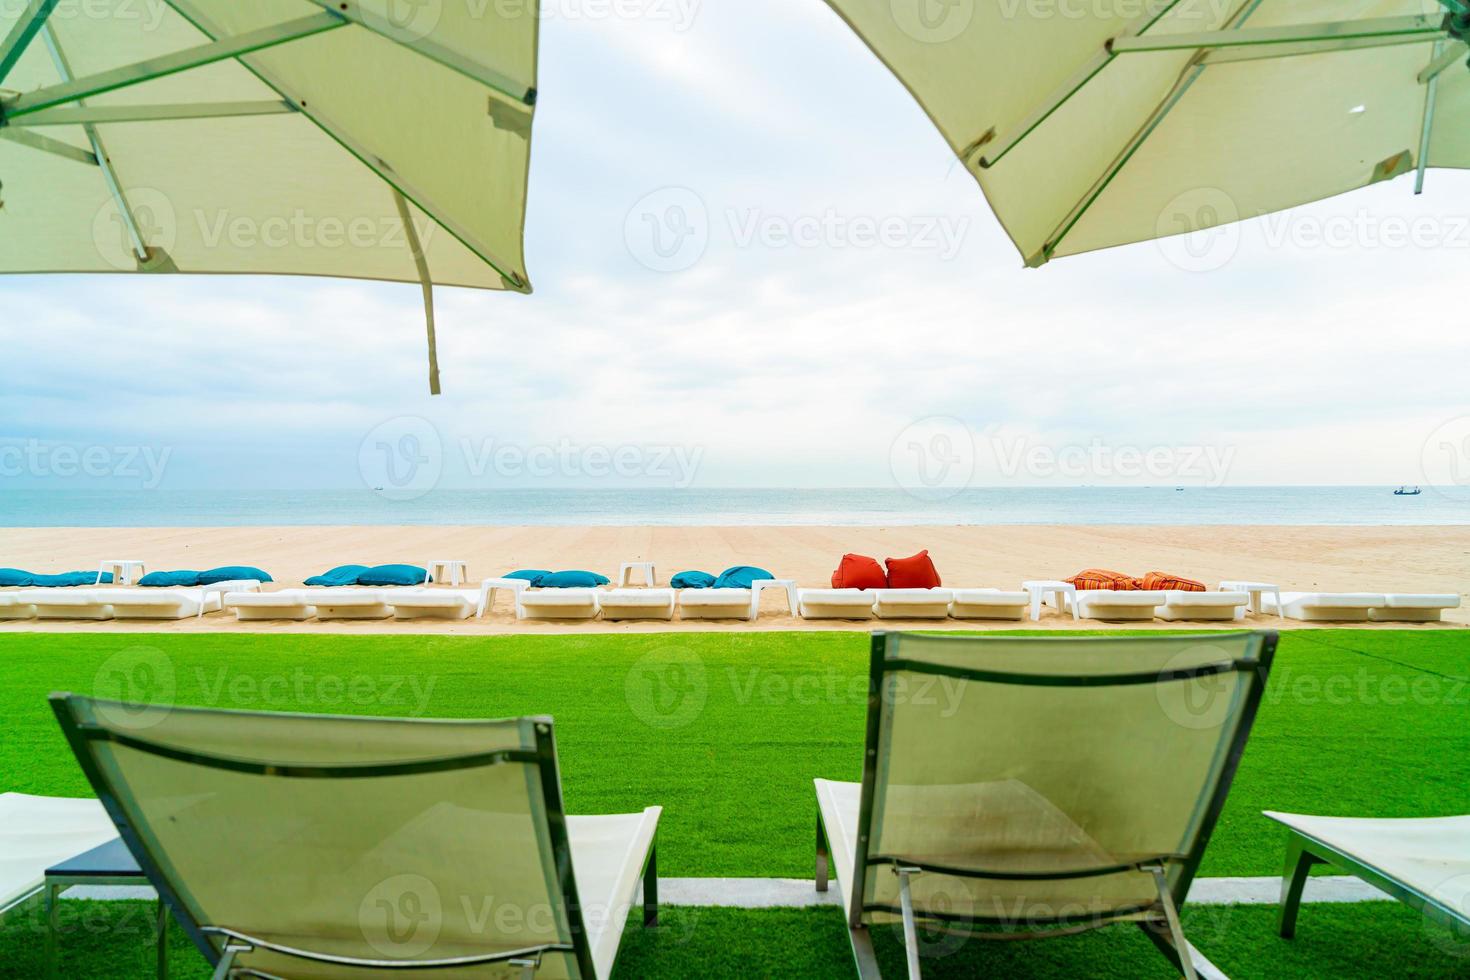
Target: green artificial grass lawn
<point>727,730</point>
<point>1378,939</point>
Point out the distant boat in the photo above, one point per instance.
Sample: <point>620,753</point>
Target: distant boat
<point>1178,489</point>
<point>1407,492</point>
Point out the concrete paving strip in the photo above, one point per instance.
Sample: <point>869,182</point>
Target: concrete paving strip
<point>767,893</point>
<point>763,893</point>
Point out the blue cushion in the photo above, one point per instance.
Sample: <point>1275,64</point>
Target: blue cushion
<point>394,575</point>
<point>341,575</point>
<point>15,576</point>
<point>572,580</point>
<point>740,577</point>
<point>532,575</point>
<point>233,573</point>
<point>68,580</point>
<point>692,580</point>
<point>162,580</point>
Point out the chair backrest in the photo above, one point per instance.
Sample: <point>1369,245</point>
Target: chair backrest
<point>1037,780</point>
<point>330,843</point>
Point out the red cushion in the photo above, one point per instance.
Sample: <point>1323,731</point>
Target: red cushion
<point>859,572</point>
<point>1102,578</point>
<point>1166,582</point>
<point>916,572</point>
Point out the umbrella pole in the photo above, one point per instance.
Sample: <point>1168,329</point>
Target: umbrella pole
<point>425,281</point>
<point>1431,90</point>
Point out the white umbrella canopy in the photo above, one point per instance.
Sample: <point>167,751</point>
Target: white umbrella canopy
<point>371,139</point>
<point>1093,123</point>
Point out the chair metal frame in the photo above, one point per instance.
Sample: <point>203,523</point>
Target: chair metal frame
<point>80,735</point>
<point>1159,920</point>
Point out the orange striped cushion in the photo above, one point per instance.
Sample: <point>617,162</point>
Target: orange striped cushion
<point>1160,580</point>
<point>1102,578</point>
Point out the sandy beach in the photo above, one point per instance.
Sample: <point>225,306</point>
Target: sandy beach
<point>1377,559</point>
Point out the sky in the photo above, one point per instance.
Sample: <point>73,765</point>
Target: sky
<point>756,263</point>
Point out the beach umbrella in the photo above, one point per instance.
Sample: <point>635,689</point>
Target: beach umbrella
<point>370,139</point>
<point>1092,123</point>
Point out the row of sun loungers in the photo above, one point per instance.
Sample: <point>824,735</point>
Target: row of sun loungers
<point>247,602</point>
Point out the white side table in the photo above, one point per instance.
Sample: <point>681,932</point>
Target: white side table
<point>1257,591</point>
<point>440,568</point>
<point>1039,589</point>
<point>487,592</point>
<point>125,571</point>
<point>219,589</point>
<point>626,569</point>
<point>789,584</point>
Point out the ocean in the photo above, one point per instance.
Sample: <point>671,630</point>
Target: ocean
<point>866,507</point>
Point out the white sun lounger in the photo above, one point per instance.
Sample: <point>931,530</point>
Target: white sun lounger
<point>836,604</point>
<point>62,603</point>
<point>1207,606</point>
<point>912,603</point>
<point>296,845</point>
<point>434,603</point>
<point>1326,607</point>
<point>39,831</point>
<point>716,604</point>
<point>989,604</point>
<point>1422,862</point>
<point>637,604</point>
<point>161,603</point>
<point>293,604</point>
<point>1119,606</point>
<point>346,603</point>
<point>1402,607</point>
<point>557,604</point>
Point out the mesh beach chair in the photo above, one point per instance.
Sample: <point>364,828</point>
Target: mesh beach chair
<point>304,846</point>
<point>1017,788</point>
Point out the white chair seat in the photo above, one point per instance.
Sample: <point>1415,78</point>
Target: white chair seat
<point>1110,604</point>
<point>714,603</point>
<point>989,604</point>
<point>836,604</point>
<point>338,603</point>
<point>1329,607</point>
<point>1215,606</point>
<point>286,604</point>
<point>1407,607</point>
<point>557,604</point>
<point>637,604</point>
<point>63,603</point>
<point>608,855</point>
<point>39,831</point>
<point>161,603</point>
<point>912,603</point>
<point>434,603</point>
<point>1431,855</point>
